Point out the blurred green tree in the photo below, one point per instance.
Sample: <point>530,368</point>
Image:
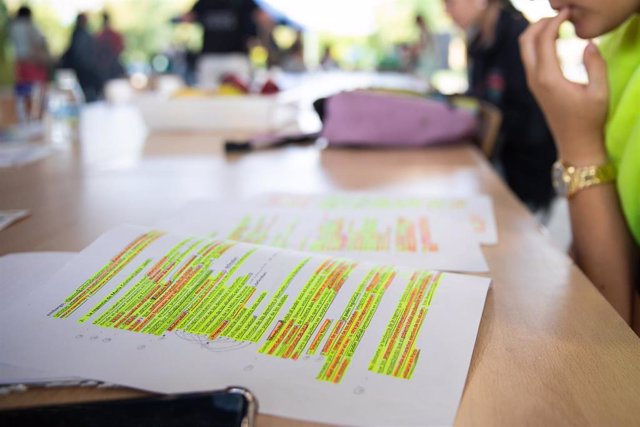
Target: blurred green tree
<point>6,62</point>
<point>148,30</point>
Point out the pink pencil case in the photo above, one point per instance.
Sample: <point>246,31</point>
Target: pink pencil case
<point>371,119</point>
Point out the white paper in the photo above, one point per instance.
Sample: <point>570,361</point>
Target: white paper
<point>22,274</point>
<point>177,361</point>
<point>408,237</point>
<point>477,209</point>
<point>21,153</point>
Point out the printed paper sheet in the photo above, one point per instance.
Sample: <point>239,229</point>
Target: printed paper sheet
<point>476,209</point>
<point>408,237</point>
<point>315,337</point>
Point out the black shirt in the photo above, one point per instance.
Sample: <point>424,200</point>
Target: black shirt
<point>525,150</point>
<point>227,24</point>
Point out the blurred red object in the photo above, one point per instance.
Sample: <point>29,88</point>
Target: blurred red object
<point>269,88</point>
<point>235,81</point>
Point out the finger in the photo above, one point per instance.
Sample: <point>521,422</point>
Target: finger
<point>527,45</point>
<point>596,70</point>
<point>548,62</point>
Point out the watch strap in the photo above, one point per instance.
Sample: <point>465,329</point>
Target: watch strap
<point>582,177</point>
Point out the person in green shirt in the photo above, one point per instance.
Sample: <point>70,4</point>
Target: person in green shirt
<point>597,132</point>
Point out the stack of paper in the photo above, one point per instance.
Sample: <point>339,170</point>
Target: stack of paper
<point>315,335</point>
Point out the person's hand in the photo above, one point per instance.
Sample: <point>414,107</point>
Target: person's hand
<point>576,113</point>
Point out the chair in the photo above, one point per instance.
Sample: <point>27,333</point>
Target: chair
<point>490,119</point>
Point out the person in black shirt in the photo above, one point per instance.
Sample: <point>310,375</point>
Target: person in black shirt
<point>81,56</point>
<point>228,30</point>
<point>525,150</point>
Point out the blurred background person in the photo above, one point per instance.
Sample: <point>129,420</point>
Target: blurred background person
<point>229,29</point>
<point>328,61</point>
<point>525,150</point>
<point>293,58</point>
<point>81,57</point>
<point>266,26</point>
<point>32,58</point>
<point>109,46</point>
<point>424,53</point>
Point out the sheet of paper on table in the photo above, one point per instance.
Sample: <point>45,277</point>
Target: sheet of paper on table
<point>315,337</point>
<point>477,209</point>
<point>22,153</point>
<point>23,274</point>
<point>408,237</point>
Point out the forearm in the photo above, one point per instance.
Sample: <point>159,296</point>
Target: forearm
<point>603,247</point>
<point>602,244</point>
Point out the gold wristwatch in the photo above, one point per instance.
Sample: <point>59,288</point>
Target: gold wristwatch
<point>569,179</point>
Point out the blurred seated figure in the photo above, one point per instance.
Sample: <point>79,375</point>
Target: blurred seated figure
<point>31,50</point>
<point>328,62</point>
<point>525,149</point>
<point>424,56</point>
<point>265,29</point>
<point>229,29</point>
<point>81,57</point>
<point>293,58</point>
<point>109,46</point>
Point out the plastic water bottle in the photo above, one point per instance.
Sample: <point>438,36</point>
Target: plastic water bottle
<point>65,98</point>
<point>22,94</point>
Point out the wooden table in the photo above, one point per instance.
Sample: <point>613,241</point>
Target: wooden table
<point>550,350</point>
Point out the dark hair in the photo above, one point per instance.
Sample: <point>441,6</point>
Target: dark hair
<point>24,12</point>
<point>505,4</point>
<point>81,20</point>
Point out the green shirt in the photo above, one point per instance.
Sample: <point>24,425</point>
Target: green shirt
<point>621,50</point>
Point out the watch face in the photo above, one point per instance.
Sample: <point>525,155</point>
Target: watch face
<point>560,179</point>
